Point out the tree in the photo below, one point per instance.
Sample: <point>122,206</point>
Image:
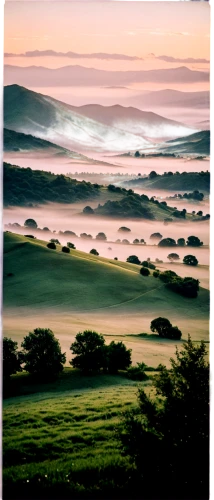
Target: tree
<point>171,431</point>
<point>181,242</point>
<point>46,229</point>
<point>156,236</point>
<point>160,325</point>
<point>11,358</point>
<point>118,357</point>
<point>115,258</point>
<point>94,251</point>
<point>151,266</point>
<point>42,354</point>
<point>136,241</point>
<point>52,246</point>
<point>54,240</point>
<point>190,260</point>
<point>89,351</point>
<point>144,271</point>
<point>167,242</point>
<point>194,241</point>
<point>71,245</point>
<point>133,259</point>
<point>145,263</point>
<point>30,223</point>
<point>173,256</point>
<point>137,154</point>
<point>124,229</point>
<point>88,210</point>
<point>65,249</point>
<point>200,213</point>
<point>101,236</point>
<point>152,174</point>
<point>188,287</point>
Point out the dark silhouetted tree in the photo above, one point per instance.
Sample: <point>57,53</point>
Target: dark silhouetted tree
<point>190,260</point>
<point>89,351</point>
<point>11,358</point>
<point>133,259</point>
<point>30,223</point>
<point>94,251</point>
<point>173,256</point>
<point>194,241</point>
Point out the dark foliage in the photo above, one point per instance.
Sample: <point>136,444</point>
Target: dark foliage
<point>118,357</point>
<point>181,242</point>
<point>137,372</point>
<point>52,246</point>
<point>101,236</point>
<point>124,229</point>
<point>89,351</point>
<point>11,358</point>
<point>173,256</point>
<point>94,251</point>
<point>167,242</point>
<point>145,263</point>
<point>30,223</point>
<point>42,354</point>
<point>71,245</point>
<point>188,287</point>
<point>66,249</point>
<point>190,260</point>
<point>167,439</point>
<point>194,241</point>
<point>88,210</point>
<point>156,236</point>
<point>133,259</point>
<point>144,271</point>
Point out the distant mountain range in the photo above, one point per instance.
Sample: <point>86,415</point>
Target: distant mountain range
<point>171,98</point>
<point>93,127</point>
<point>39,76</point>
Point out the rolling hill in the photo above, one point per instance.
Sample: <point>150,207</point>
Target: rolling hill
<point>194,144</point>
<point>101,129</point>
<point>176,182</point>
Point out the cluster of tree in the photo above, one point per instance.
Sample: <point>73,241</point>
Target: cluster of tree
<point>24,187</point>
<point>195,195</point>
<point>192,241</point>
<point>189,260</point>
<point>41,355</point>
<point>188,286</point>
<point>133,259</point>
<point>129,206</point>
<point>171,431</point>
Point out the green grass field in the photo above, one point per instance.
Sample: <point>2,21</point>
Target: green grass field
<point>63,436</point>
<point>77,291</point>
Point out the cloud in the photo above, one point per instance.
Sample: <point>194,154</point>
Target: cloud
<point>156,32</point>
<point>74,55</point>
<point>182,60</point>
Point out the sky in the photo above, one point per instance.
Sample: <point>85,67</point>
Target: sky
<point>154,34</point>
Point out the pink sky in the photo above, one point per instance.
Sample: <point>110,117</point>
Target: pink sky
<point>178,29</point>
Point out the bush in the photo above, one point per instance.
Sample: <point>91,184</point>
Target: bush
<point>188,287</point>
<point>88,348</point>
<point>156,274</point>
<point>65,249</point>
<point>46,229</point>
<point>115,258</point>
<point>52,246</point>
<point>30,236</point>
<point>133,259</point>
<point>71,245</point>
<point>145,271</point>
<point>124,229</point>
<point>151,266</point>
<point>171,431</point>
<point>167,276</point>
<point>137,372</point>
<point>93,251</point>
<point>11,358</point>
<point>30,223</point>
<point>145,263</point>
<point>190,260</point>
<point>42,354</point>
<point>88,210</point>
<point>194,241</point>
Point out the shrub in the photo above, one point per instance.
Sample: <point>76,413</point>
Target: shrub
<point>71,245</point>
<point>52,246</point>
<point>145,263</point>
<point>145,271</point>
<point>156,274</point>
<point>188,287</point>
<point>88,348</point>
<point>151,266</point>
<point>171,431</point>
<point>30,223</point>
<point>115,258</point>
<point>30,236</point>
<point>42,354</point>
<point>65,249</point>
<point>137,372</point>
<point>11,358</point>
<point>93,251</point>
<point>167,276</point>
<point>190,260</point>
<point>88,210</point>
<point>133,259</point>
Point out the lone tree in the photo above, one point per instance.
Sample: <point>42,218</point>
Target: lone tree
<point>190,260</point>
<point>52,246</point>
<point>124,229</point>
<point>65,249</point>
<point>137,154</point>
<point>88,348</point>
<point>71,245</point>
<point>94,251</point>
<point>30,223</point>
<point>172,431</point>
<point>167,242</point>
<point>118,357</point>
<point>88,210</point>
<point>145,271</point>
<point>11,358</point>
<point>152,174</point>
<point>55,240</point>
<point>101,236</point>
<point>156,236</point>
<point>194,241</point>
<point>181,242</point>
<point>165,329</point>
<point>42,354</point>
<point>173,256</point>
<point>133,259</point>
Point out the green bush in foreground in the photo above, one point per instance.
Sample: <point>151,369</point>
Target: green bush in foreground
<point>167,439</point>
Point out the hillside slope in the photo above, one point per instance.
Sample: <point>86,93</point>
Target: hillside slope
<point>197,144</point>
<point>177,182</point>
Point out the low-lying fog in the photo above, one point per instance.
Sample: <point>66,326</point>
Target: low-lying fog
<point>124,165</point>
<point>66,217</point>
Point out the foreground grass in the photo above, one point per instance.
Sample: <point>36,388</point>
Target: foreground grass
<point>63,442</point>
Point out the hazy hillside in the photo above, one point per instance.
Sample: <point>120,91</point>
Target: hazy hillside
<point>16,141</point>
<point>23,186</point>
<point>198,143</point>
<point>172,98</point>
<point>176,182</point>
